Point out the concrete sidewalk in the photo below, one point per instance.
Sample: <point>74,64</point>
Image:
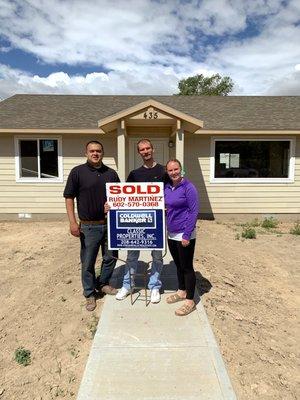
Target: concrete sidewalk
<point>149,353</point>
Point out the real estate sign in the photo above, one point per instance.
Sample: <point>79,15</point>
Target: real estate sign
<point>136,220</point>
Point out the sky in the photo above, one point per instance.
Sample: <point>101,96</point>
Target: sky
<point>147,46</point>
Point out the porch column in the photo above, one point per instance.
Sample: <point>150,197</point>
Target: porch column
<point>180,144</point>
<point>121,149</point>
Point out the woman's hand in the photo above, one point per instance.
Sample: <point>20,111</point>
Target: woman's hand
<point>185,242</point>
<point>106,208</point>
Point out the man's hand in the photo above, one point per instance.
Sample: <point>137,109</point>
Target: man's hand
<point>106,208</point>
<point>74,229</point>
<point>185,242</point>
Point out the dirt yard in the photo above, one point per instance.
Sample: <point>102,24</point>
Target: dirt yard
<point>250,291</point>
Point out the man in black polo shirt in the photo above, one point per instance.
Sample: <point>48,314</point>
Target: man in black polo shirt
<point>86,183</point>
<point>150,171</point>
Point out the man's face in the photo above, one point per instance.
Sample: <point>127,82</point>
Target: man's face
<point>146,151</point>
<point>94,154</point>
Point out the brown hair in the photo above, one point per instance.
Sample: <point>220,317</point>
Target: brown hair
<point>143,141</point>
<point>174,160</point>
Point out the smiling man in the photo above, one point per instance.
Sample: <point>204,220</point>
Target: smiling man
<point>150,171</point>
<point>86,183</point>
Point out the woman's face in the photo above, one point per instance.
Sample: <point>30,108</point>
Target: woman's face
<point>174,171</point>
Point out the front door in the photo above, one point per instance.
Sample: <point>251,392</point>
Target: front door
<point>161,152</point>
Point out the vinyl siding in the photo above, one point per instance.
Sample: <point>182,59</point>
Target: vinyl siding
<point>215,197</point>
<point>21,197</point>
<point>238,197</point>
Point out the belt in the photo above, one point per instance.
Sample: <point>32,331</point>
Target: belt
<point>100,222</point>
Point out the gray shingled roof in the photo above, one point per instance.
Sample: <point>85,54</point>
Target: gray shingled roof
<point>83,112</point>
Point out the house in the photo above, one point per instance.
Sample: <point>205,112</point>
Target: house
<point>243,153</point>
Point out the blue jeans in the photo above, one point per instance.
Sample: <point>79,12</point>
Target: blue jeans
<point>132,263</point>
<point>92,237</point>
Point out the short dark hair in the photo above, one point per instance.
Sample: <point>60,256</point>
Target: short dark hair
<point>174,160</point>
<point>144,141</point>
<point>94,142</point>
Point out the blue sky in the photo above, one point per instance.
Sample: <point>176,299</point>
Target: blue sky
<point>147,46</point>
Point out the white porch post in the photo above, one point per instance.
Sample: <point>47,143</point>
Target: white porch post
<point>180,144</point>
<point>121,149</point>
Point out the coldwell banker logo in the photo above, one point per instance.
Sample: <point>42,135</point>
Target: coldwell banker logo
<point>136,219</point>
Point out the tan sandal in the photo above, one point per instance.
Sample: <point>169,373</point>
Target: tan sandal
<point>185,309</point>
<point>174,298</point>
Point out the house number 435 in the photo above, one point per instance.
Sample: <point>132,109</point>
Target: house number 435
<point>150,114</point>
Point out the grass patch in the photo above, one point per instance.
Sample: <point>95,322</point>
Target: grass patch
<point>249,233</point>
<point>269,223</point>
<point>93,325</point>
<point>295,230</point>
<point>22,356</point>
<point>73,351</point>
<point>254,223</point>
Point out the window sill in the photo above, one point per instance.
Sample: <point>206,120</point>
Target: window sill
<point>252,180</point>
<point>39,180</point>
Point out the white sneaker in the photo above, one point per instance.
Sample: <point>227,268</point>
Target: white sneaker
<point>155,296</point>
<point>122,293</point>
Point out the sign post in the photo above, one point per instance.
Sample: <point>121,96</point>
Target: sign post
<point>136,220</point>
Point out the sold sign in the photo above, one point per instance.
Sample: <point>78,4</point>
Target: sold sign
<point>136,219</point>
<point>134,189</point>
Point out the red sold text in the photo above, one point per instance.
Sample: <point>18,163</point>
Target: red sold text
<point>134,189</point>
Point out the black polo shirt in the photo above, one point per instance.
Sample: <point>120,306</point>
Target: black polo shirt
<point>143,174</point>
<point>87,184</point>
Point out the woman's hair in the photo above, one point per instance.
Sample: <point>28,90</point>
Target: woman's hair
<point>174,160</point>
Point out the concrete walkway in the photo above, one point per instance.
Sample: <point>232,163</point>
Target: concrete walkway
<point>145,353</point>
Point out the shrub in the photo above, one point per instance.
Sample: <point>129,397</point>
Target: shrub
<point>22,356</point>
<point>296,229</point>
<point>269,223</point>
<point>249,233</point>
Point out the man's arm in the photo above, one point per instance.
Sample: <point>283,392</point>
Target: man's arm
<point>74,227</point>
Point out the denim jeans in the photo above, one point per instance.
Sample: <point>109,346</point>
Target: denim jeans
<point>92,237</point>
<point>156,267</point>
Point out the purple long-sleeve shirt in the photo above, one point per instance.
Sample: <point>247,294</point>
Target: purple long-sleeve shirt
<point>182,208</point>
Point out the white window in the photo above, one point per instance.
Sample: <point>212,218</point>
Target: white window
<point>38,159</point>
<point>238,160</point>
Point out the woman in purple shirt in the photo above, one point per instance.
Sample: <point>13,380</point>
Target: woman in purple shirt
<point>182,205</point>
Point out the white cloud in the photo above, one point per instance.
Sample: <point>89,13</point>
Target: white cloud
<point>147,46</point>
<point>257,63</point>
<point>288,85</point>
<point>147,81</point>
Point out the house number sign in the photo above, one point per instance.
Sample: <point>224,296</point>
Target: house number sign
<point>150,114</point>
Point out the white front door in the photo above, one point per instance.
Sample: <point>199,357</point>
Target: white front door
<point>161,152</point>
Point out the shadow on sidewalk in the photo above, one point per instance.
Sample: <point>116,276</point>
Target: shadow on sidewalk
<point>168,278</point>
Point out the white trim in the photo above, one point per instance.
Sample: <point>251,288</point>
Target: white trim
<point>121,150</point>
<point>60,178</point>
<point>291,174</point>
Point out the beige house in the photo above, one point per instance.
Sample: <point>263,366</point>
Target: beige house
<point>243,153</point>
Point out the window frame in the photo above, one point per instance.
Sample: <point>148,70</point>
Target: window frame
<point>20,179</point>
<point>291,173</point>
